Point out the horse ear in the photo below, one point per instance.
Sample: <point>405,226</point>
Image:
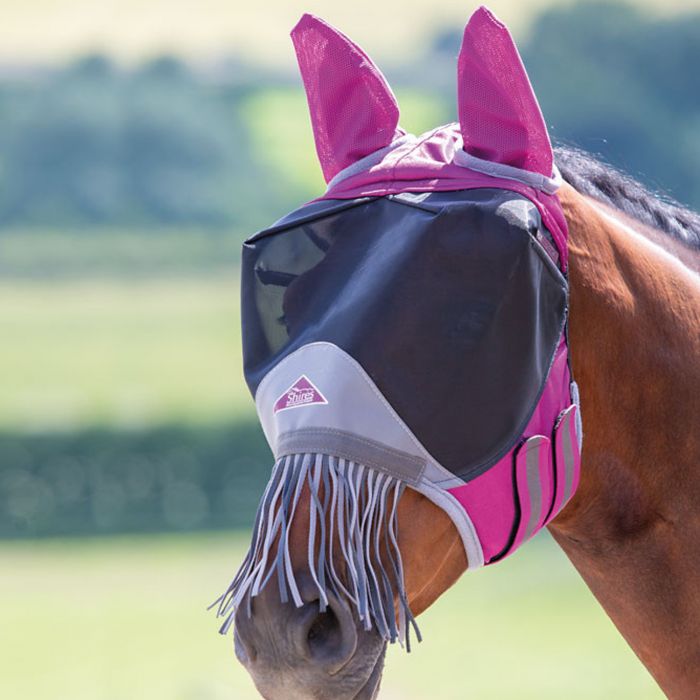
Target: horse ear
<point>499,115</point>
<point>353,110</point>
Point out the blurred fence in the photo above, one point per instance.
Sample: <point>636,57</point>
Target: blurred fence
<point>102,481</point>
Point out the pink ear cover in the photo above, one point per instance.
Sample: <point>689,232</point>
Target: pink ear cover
<point>353,110</point>
<point>499,115</point>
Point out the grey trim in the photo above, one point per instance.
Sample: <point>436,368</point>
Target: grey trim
<point>549,185</point>
<point>569,459</point>
<point>460,518</point>
<point>340,443</point>
<point>369,160</point>
<point>355,405</point>
<point>579,420</point>
<point>534,485</point>
<point>435,473</point>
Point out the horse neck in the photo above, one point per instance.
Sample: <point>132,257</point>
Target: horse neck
<point>633,529</point>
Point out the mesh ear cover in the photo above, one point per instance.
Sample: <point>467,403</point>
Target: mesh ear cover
<point>499,115</point>
<point>353,110</point>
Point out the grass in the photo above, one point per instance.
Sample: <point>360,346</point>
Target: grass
<point>45,254</point>
<point>124,618</point>
<point>125,353</point>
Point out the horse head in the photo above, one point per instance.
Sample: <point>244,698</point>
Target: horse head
<point>405,341</point>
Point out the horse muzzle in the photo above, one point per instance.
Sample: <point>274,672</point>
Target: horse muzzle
<point>301,653</point>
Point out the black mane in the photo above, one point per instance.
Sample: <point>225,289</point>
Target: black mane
<point>595,179</point>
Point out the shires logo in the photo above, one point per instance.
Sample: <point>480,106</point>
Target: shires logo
<point>301,393</point>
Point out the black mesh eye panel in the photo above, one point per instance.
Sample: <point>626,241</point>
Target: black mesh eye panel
<point>277,268</point>
<point>448,304</point>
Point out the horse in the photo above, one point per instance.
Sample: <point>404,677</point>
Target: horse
<point>632,528</point>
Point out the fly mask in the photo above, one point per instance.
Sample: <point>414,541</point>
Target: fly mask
<point>408,329</point>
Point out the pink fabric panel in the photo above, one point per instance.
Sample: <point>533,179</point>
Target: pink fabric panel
<point>489,501</point>
<point>426,165</point>
<point>500,118</point>
<point>353,111</point>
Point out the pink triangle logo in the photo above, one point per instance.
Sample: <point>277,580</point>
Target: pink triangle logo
<point>301,393</point>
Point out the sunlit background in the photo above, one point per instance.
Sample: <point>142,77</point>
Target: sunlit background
<point>140,142</point>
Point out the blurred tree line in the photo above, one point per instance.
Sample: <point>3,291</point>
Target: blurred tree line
<point>615,81</point>
<point>620,83</point>
<point>96,144</point>
<point>100,481</point>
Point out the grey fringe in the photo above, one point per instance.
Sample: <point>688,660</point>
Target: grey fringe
<point>355,510</point>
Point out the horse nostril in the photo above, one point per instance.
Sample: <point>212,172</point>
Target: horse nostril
<point>324,636</point>
<point>330,637</point>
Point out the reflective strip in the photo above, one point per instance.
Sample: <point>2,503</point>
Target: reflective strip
<point>572,454</point>
<point>579,423</point>
<point>567,459</point>
<point>534,483</point>
<point>534,490</point>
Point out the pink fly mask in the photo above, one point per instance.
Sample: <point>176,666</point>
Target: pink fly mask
<point>408,329</point>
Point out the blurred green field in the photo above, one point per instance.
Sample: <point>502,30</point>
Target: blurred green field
<point>55,255</point>
<point>124,618</point>
<point>120,352</point>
